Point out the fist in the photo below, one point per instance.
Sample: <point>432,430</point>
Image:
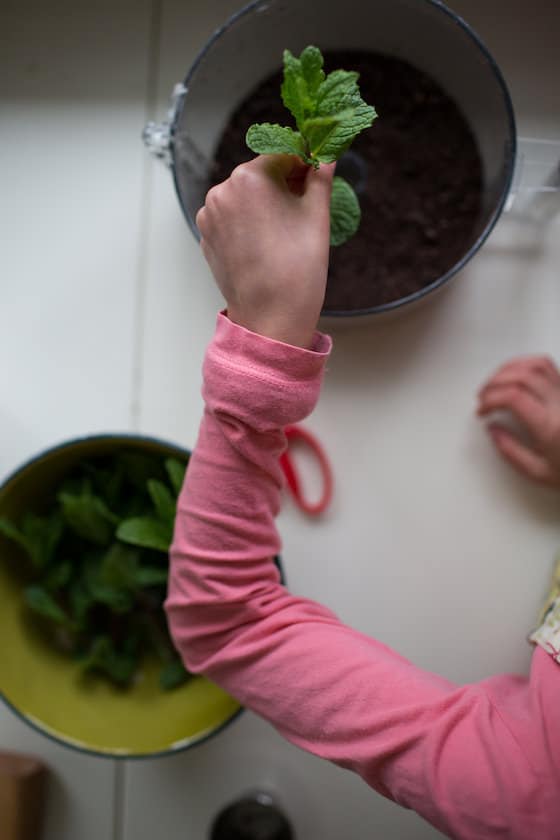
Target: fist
<point>265,236</point>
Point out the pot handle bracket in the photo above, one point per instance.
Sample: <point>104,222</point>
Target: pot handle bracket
<point>535,192</point>
<point>157,136</point>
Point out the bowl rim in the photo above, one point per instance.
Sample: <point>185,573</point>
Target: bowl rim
<point>109,437</point>
<point>182,744</point>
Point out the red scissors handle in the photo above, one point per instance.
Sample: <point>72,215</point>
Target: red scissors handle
<point>292,477</point>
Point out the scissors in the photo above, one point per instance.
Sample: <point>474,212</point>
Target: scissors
<point>298,433</point>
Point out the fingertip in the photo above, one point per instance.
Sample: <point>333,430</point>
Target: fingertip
<point>496,432</point>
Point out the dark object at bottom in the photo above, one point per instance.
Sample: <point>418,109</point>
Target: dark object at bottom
<point>252,818</point>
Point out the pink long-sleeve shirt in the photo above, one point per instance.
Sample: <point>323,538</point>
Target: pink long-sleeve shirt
<point>477,761</point>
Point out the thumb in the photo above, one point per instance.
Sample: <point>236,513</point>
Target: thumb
<point>318,185</point>
<point>280,167</point>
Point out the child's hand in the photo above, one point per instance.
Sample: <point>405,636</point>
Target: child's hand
<point>265,235</point>
<point>529,388</point>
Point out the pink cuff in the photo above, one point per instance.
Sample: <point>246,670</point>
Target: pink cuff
<point>266,382</point>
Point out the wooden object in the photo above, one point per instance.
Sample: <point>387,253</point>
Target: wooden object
<point>22,796</point>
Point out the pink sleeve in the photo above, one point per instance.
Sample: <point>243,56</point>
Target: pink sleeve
<point>477,761</point>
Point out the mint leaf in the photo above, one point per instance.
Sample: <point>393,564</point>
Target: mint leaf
<point>80,602</point>
<point>176,472</point>
<point>294,91</point>
<point>146,531</point>
<point>173,674</point>
<point>329,113</point>
<point>339,96</point>
<point>345,211</point>
<point>337,91</point>
<point>108,586</point>
<point>11,532</point>
<point>272,139</point>
<point>150,576</point>
<point>319,132</point>
<point>88,516</point>
<point>38,536</point>
<point>43,535</point>
<point>41,602</point>
<point>139,467</point>
<point>302,78</point>
<point>58,576</point>
<point>103,656</point>
<point>164,502</point>
<point>311,64</point>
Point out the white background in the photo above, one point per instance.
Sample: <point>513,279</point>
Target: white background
<point>431,544</point>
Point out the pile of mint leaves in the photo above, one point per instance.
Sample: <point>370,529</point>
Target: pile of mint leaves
<point>95,564</point>
<point>329,113</point>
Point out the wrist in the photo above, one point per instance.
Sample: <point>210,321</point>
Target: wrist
<point>288,332</point>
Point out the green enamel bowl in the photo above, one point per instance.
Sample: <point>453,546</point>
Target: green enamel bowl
<point>45,688</point>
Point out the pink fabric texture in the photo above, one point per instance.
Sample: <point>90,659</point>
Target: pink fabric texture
<point>477,761</point>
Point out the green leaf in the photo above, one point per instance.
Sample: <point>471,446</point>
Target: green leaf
<point>38,536</point>
<point>150,576</point>
<point>294,91</point>
<point>339,95</point>
<point>319,131</point>
<point>329,113</point>
<point>146,531</point>
<point>311,64</point>
<point>80,602</point>
<point>173,674</point>
<point>107,579</point>
<point>108,476</point>
<point>43,534</point>
<point>337,92</point>
<point>139,468</point>
<point>117,665</point>
<point>162,499</point>
<point>58,576</point>
<point>345,211</point>
<point>176,471</point>
<point>272,139</point>
<point>302,78</point>
<point>43,603</point>
<point>117,600</point>
<point>88,516</point>
<point>12,532</point>
<point>117,568</point>
<point>344,133</point>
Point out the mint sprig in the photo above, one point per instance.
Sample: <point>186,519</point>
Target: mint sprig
<point>329,113</point>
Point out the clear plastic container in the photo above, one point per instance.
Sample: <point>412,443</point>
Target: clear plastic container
<point>423,32</point>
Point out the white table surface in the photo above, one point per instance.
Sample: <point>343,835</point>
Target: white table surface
<point>431,543</point>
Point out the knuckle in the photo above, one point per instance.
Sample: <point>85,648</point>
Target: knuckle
<point>243,175</point>
<point>541,364</point>
<point>200,219</point>
<point>213,197</point>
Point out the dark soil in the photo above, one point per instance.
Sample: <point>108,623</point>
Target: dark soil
<point>417,172</point>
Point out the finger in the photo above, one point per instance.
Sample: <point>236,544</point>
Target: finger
<point>535,369</point>
<point>200,219</point>
<point>532,384</point>
<point>523,405</point>
<point>280,167</point>
<point>318,185</point>
<point>525,460</point>
<point>205,250</point>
